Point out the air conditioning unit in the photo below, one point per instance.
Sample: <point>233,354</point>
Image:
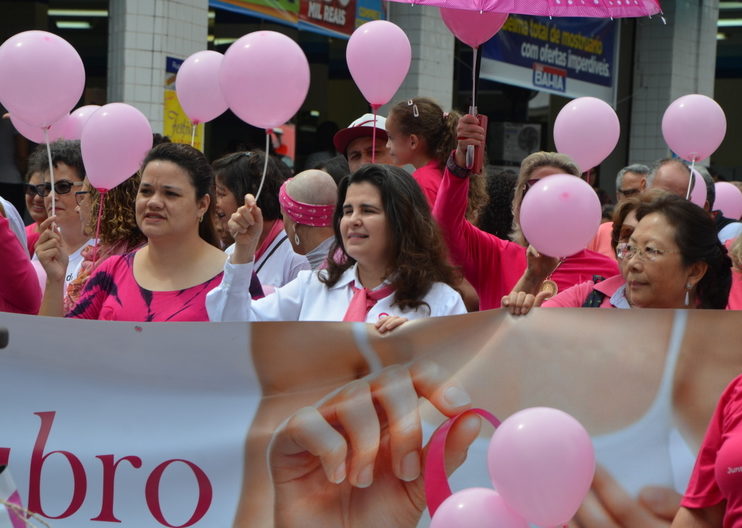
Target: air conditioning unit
<point>511,142</point>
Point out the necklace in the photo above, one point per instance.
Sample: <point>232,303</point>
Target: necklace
<point>549,285</point>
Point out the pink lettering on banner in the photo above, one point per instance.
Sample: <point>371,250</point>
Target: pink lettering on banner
<point>152,493</point>
<point>109,481</point>
<point>38,458</point>
<point>110,465</point>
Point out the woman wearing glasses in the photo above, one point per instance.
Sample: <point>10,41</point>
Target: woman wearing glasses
<point>168,278</point>
<point>69,173</point>
<point>35,201</point>
<point>493,265</point>
<point>673,259</point>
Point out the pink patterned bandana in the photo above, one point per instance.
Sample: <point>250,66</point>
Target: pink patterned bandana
<point>303,213</point>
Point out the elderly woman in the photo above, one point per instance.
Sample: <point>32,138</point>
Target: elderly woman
<point>493,265</point>
<point>307,206</point>
<point>168,278</point>
<point>391,266</point>
<point>673,259</point>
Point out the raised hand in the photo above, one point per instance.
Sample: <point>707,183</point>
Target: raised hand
<point>50,251</point>
<point>468,132</point>
<point>246,226</point>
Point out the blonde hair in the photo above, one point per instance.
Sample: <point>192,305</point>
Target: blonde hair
<point>527,167</point>
<point>735,251</point>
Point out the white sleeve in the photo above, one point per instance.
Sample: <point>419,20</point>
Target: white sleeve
<point>445,301</point>
<point>230,301</point>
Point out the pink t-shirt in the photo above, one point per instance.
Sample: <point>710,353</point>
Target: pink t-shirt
<point>32,236</point>
<point>717,475</point>
<point>492,265</point>
<point>601,242</point>
<point>429,178</point>
<point>113,294</point>
<point>575,296</point>
<point>19,287</point>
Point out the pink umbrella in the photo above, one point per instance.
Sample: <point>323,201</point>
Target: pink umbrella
<point>554,8</point>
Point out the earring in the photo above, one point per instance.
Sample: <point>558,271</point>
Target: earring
<point>296,238</point>
<point>200,219</point>
<point>688,286</point>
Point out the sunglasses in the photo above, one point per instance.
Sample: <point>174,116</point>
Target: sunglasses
<point>45,189</point>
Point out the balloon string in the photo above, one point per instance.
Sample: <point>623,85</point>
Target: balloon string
<point>375,110</point>
<point>265,165</point>
<point>691,180</point>
<point>474,77</point>
<point>51,170</point>
<point>193,134</point>
<point>102,193</point>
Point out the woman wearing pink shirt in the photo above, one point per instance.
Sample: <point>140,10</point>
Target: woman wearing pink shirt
<point>168,278</point>
<point>493,265</point>
<point>673,259</point>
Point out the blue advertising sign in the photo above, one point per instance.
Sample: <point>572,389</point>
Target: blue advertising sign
<point>570,56</point>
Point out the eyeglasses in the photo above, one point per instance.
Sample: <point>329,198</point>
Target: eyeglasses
<point>31,190</point>
<point>80,196</point>
<point>628,192</point>
<point>60,187</point>
<point>627,250</point>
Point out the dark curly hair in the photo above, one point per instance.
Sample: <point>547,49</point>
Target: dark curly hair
<point>695,235</point>
<point>118,222</point>
<point>195,164</point>
<point>419,253</point>
<point>240,172</point>
<point>63,151</point>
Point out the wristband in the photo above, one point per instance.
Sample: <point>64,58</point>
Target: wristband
<point>453,168</point>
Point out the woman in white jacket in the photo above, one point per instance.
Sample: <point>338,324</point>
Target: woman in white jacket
<point>388,266</point>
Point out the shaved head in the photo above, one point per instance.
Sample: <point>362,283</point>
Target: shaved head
<point>313,187</point>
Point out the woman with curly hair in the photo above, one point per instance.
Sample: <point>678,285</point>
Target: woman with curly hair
<point>391,267</point>
<point>118,233</point>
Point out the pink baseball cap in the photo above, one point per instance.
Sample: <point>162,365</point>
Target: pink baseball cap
<point>361,127</point>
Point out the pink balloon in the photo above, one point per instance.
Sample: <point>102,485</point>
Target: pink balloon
<point>379,56</point>
<point>694,126</point>
<point>476,508</point>
<point>36,134</point>
<point>472,27</point>
<point>264,78</point>
<point>586,130</point>
<point>114,141</point>
<point>41,77</point>
<point>560,215</point>
<point>542,462</point>
<point>698,193</point>
<point>728,200</point>
<point>197,86</point>
<point>75,122</point>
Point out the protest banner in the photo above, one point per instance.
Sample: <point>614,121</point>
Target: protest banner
<point>167,424</point>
